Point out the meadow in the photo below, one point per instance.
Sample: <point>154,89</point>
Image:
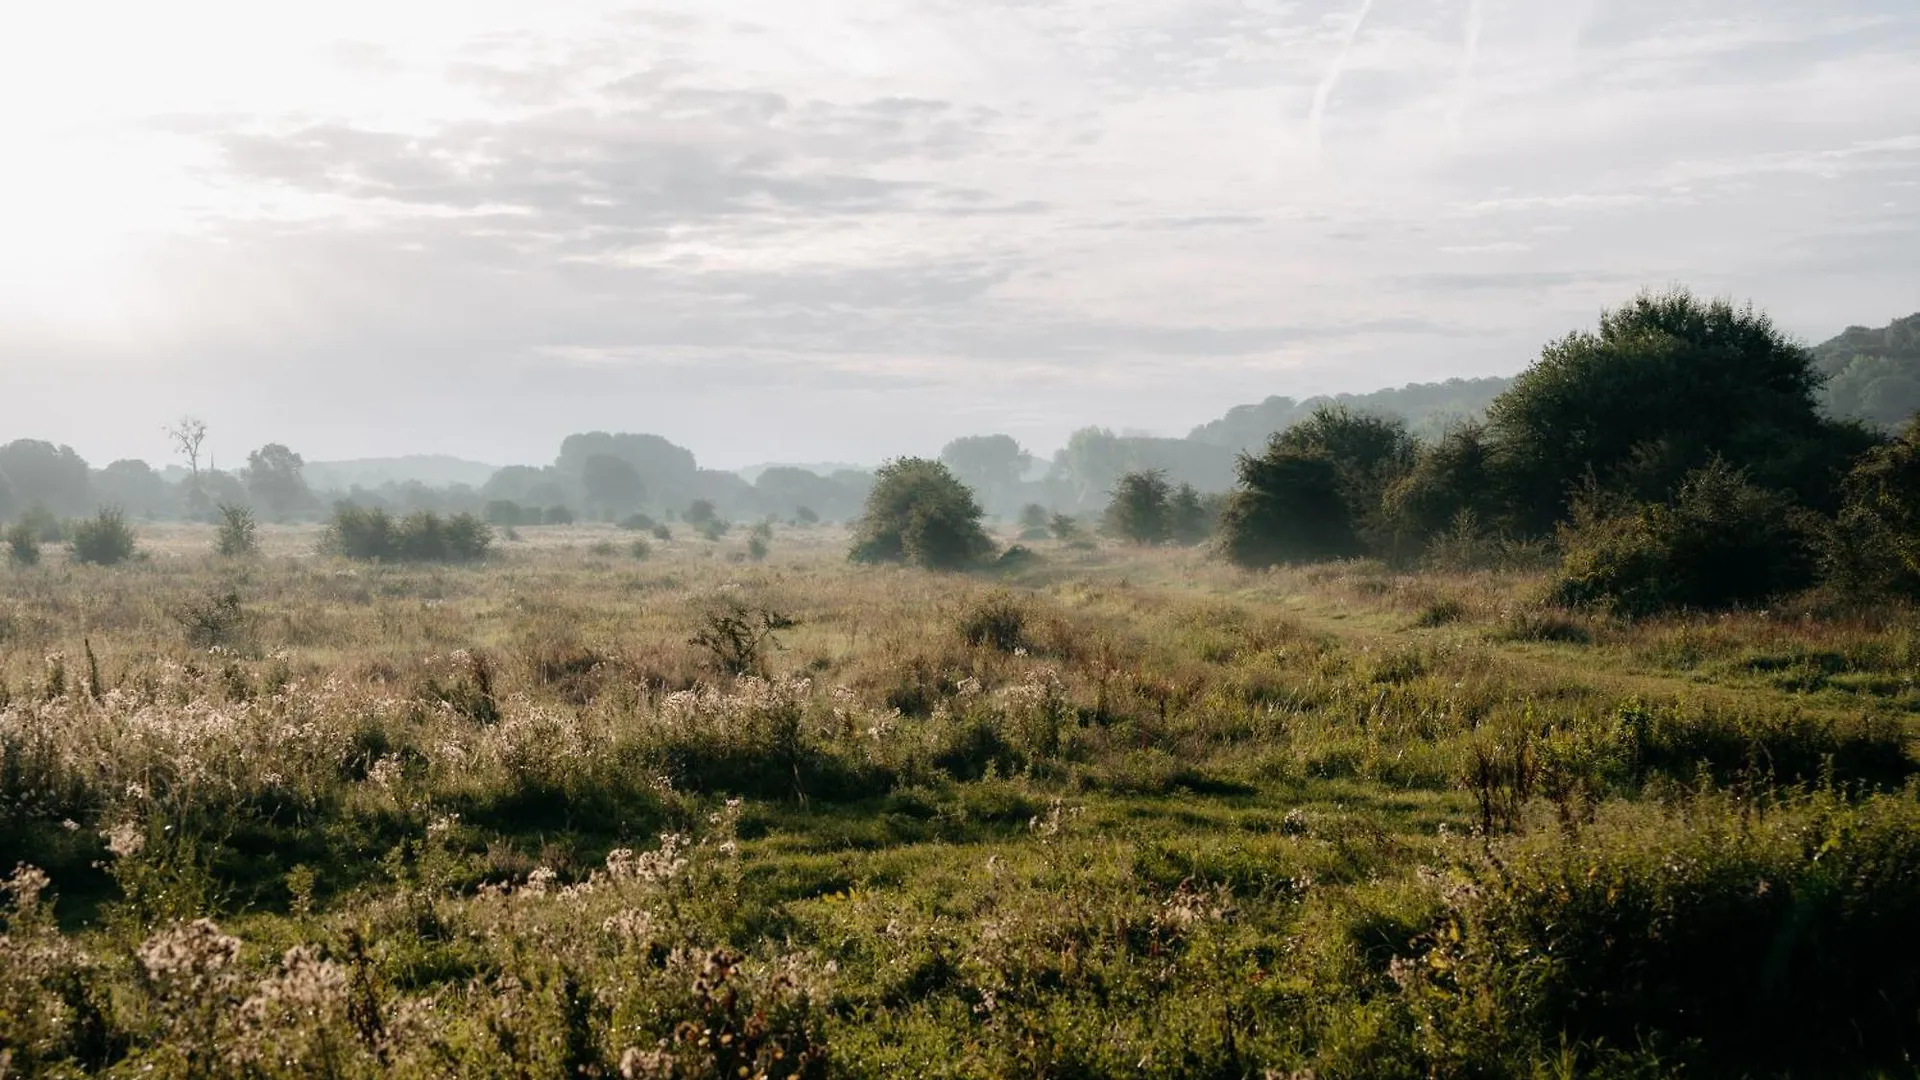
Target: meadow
<point>1104,811</point>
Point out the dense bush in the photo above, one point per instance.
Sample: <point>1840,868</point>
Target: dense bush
<point>1720,542</point>
<point>1288,508</point>
<point>1139,511</point>
<point>104,539</point>
<point>1872,549</point>
<point>1731,945</point>
<point>238,533</point>
<point>918,513</point>
<point>423,536</point>
<point>1666,383</point>
<point>23,544</point>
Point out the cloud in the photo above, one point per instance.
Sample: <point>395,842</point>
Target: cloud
<point>848,232</point>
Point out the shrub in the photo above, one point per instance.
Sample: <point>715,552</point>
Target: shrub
<point>1139,511</point>
<point>806,515</point>
<point>1190,516</point>
<point>1872,549</point>
<point>996,622</point>
<point>1288,508</point>
<point>1033,517</point>
<point>23,544</point>
<point>557,515</point>
<point>701,512</point>
<point>1719,543</point>
<point>45,527</point>
<point>1715,942</point>
<point>214,619</point>
<point>919,513</point>
<point>357,532</point>
<point>662,533</point>
<point>1064,527</point>
<point>505,514</point>
<point>103,540</point>
<point>638,523</point>
<point>238,531</point>
<point>423,536</point>
<point>640,549</point>
<point>736,636</point>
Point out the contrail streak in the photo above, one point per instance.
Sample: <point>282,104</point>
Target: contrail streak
<point>1470,56</point>
<point>1324,92</point>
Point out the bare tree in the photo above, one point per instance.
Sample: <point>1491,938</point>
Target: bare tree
<point>188,436</point>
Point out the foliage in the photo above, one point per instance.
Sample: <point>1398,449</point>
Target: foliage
<point>423,536</point>
<point>612,483</point>
<point>700,512</point>
<point>992,465</point>
<point>505,514</point>
<point>997,621</point>
<point>216,618</point>
<point>23,544</point>
<point>1665,384</point>
<point>737,636</point>
<point>1873,549</point>
<point>1778,945</point>
<point>919,513</point>
<point>1721,541</point>
<point>274,479</point>
<point>103,540</point>
<point>239,534</point>
<point>1139,510</point>
<point>1288,508</point>
<point>44,475</point>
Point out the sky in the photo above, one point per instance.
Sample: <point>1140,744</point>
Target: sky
<point>846,230</point>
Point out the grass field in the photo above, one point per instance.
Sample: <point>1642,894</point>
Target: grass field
<point>1117,812</point>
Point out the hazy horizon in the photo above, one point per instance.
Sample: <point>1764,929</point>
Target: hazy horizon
<point>770,234</point>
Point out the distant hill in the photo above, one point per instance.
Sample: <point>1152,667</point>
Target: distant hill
<point>1428,408</point>
<point>433,470</point>
<point>1873,374</point>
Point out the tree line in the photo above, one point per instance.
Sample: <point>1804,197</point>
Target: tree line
<point>1678,455</point>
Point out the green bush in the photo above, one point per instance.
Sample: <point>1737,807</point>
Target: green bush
<point>1706,939</point>
<point>1872,549</point>
<point>373,534</point>
<point>238,531</point>
<point>1719,543</point>
<point>1289,508</point>
<point>919,513</point>
<point>1139,511</point>
<point>104,539</point>
<point>998,622</point>
<point>557,515</point>
<point>505,514</point>
<point>23,544</point>
<point>638,523</point>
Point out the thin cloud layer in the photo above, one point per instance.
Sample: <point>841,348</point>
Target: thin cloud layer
<point>771,232</point>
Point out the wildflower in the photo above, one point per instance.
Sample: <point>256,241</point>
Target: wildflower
<point>192,951</point>
<point>136,790</point>
<point>125,840</point>
<point>26,885</point>
<point>540,880</point>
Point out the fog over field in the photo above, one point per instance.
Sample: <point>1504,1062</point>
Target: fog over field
<point>778,232</point>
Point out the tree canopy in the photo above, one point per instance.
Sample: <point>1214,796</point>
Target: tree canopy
<point>920,513</point>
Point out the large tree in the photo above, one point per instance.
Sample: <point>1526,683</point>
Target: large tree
<point>612,483</point>
<point>274,480</point>
<point>42,474</point>
<point>920,513</point>
<point>993,465</point>
<point>1667,383</point>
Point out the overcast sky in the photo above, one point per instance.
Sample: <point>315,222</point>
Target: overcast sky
<point>851,229</point>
